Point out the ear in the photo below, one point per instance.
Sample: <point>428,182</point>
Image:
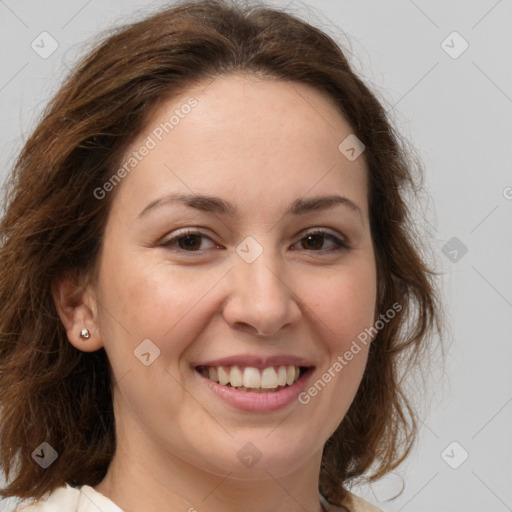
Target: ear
<point>77,308</point>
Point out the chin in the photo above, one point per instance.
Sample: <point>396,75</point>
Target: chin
<point>262,455</point>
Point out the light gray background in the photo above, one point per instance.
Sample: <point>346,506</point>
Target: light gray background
<point>457,112</point>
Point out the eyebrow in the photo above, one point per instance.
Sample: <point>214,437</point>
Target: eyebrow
<point>219,206</point>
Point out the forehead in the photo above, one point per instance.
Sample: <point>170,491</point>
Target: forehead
<point>249,137</point>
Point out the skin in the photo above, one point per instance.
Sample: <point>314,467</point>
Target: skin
<point>260,144</point>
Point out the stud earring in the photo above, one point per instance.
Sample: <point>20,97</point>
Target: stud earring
<point>85,334</point>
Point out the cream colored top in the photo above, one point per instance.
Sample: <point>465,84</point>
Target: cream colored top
<point>87,499</point>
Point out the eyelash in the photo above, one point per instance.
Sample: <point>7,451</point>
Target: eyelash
<point>340,244</point>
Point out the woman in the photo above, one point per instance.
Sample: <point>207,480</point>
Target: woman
<point>209,277</point>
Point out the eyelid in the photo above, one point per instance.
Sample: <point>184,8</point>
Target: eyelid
<point>323,231</point>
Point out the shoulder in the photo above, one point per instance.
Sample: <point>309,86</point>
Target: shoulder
<point>65,496</point>
<point>71,499</point>
<point>351,503</point>
<point>86,499</point>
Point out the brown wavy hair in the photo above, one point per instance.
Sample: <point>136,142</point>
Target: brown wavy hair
<point>53,225</point>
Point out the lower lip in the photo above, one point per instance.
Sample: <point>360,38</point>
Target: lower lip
<point>255,401</point>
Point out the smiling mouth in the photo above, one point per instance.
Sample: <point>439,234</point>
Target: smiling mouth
<point>251,379</point>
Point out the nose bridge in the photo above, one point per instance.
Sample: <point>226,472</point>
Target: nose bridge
<point>259,267</point>
<point>260,297</point>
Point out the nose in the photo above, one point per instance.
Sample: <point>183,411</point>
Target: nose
<point>261,301</point>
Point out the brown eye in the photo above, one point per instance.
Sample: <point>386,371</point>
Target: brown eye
<point>189,241</point>
<point>315,240</point>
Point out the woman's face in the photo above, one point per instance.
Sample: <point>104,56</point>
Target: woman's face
<point>255,295</point>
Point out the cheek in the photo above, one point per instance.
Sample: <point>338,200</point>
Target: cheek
<point>346,304</point>
<point>156,301</point>
<point>344,311</point>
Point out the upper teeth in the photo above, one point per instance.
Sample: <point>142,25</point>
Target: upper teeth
<point>250,377</point>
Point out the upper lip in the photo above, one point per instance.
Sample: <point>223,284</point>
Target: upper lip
<point>256,361</point>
